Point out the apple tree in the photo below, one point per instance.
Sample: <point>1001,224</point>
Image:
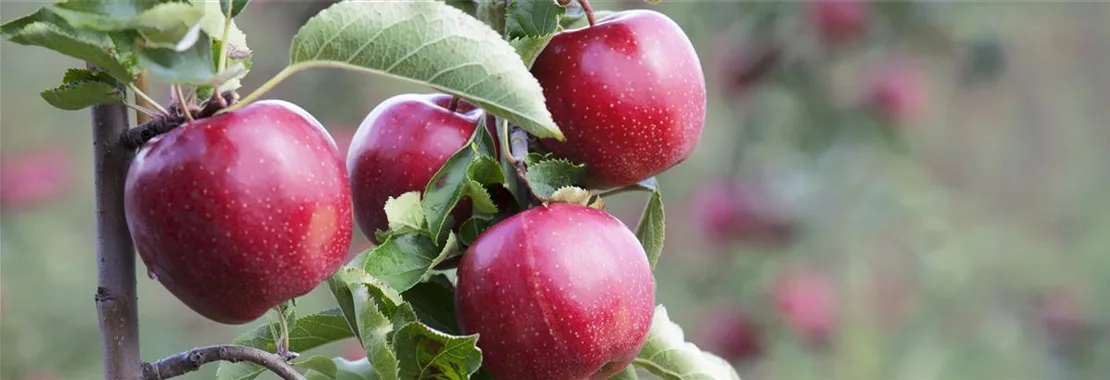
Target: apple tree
<point>494,255</point>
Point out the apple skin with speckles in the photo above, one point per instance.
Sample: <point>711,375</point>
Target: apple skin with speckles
<point>241,211</point>
<point>399,146</point>
<point>556,292</point>
<point>628,94</point>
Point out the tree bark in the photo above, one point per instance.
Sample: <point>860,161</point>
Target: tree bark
<point>116,303</point>
<point>191,360</point>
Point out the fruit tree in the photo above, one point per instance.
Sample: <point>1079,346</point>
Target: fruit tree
<point>494,256</point>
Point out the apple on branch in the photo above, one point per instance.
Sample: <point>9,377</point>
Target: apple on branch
<point>628,94</point>
<point>239,212</point>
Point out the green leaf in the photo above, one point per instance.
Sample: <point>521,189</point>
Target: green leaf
<point>472,228</point>
<point>571,194</point>
<point>405,259</point>
<point>533,18</point>
<point>428,354</point>
<point>318,363</point>
<point>469,7</point>
<point>485,170</point>
<point>667,354</point>
<point>428,43</point>
<point>238,52</point>
<point>629,373</point>
<point>530,47</point>
<point>378,310</point>
<point>652,228</point>
<point>46,29</point>
<point>405,213</point>
<point>493,13</point>
<point>480,198</point>
<point>354,370</point>
<point>434,303</point>
<point>345,300</point>
<point>545,177</point>
<point>452,182</point>
<point>233,7</point>
<point>193,66</point>
<point>532,158</point>
<point>307,333</point>
<point>82,88</point>
<point>161,23</point>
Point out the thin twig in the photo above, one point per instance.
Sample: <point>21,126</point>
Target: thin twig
<point>144,85</point>
<point>144,97</point>
<point>193,359</point>
<point>116,302</point>
<point>142,113</point>
<point>181,102</point>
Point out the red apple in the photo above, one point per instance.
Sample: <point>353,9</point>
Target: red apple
<point>806,302</point>
<point>628,94</point>
<point>839,20</point>
<point>898,92</point>
<point>399,146</point>
<point>740,67</point>
<point>731,333</point>
<point>739,212</point>
<point>34,178</point>
<point>556,292</point>
<point>241,211</point>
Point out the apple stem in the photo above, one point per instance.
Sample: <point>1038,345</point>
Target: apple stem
<point>116,301</point>
<point>191,360</point>
<point>454,105</point>
<point>589,10</point>
<point>181,102</point>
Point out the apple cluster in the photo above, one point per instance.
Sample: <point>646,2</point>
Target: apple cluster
<point>241,211</point>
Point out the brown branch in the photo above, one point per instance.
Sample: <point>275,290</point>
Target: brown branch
<point>191,360</point>
<point>136,137</point>
<point>116,303</point>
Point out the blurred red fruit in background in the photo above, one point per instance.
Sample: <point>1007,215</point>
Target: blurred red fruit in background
<point>353,351</point>
<point>726,213</point>
<point>839,20</point>
<point>740,67</point>
<point>898,92</point>
<point>730,333</point>
<point>806,302</point>
<point>33,178</point>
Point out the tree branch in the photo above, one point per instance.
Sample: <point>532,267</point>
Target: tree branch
<point>136,137</point>
<point>116,304</point>
<point>191,360</point>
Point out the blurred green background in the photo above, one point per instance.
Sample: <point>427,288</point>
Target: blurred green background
<point>970,243</point>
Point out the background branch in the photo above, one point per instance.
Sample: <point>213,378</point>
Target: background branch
<point>116,304</point>
<point>191,360</point>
